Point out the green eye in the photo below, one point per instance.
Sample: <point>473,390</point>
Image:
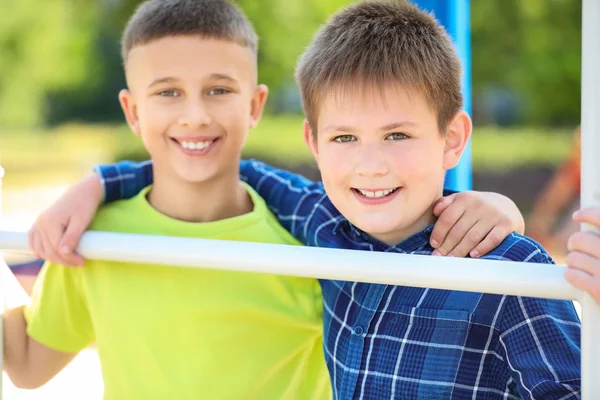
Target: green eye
<point>397,136</point>
<point>344,139</point>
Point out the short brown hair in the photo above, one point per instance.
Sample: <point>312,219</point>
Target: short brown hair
<point>217,19</point>
<point>375,43</point>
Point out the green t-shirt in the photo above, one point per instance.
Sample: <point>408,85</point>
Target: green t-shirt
<point>187,333</point>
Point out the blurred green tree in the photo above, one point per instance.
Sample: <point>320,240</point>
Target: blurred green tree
<point>59,59</point>
<point>532,48</point>
<point>44,46</point>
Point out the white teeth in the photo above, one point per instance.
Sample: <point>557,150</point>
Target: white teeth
<point>195,145</point>
<point>377,194</point>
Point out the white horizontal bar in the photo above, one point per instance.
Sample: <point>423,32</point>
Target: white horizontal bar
<point>490,276</point>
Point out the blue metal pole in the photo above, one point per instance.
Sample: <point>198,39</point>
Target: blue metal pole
<point>455,16</point>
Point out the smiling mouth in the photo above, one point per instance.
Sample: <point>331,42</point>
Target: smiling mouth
<point>375,194</point>
<point>195,145</point>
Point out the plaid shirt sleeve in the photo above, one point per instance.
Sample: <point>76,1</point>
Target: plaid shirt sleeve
<point>291,197</point>
<point>124,179</point>
<point>540,342</point>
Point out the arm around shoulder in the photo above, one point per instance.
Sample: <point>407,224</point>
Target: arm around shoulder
<point>57,230</point>
<point>124,179</point>
<point>291,197</point>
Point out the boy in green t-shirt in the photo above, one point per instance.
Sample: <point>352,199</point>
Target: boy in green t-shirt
<point>181,333</point>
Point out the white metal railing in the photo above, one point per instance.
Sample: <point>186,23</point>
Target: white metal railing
<point>590,181</point>
<point>491,276</point>
<point>501,277</point>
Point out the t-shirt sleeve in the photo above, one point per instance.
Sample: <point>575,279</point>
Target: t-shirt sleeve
<point>58,316</point>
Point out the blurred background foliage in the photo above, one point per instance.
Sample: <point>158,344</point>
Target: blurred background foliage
<point>59,59</point>
<point>527,61</point>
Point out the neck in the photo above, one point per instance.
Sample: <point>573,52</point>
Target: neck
<point>219,198</point>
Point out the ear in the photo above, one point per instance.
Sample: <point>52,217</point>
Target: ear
<point>311,140</point>
<point>258,104</point>
<point>457,136</point>
<point>130,110</point>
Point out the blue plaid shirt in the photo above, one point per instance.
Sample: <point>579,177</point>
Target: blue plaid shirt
<point>395,342</point>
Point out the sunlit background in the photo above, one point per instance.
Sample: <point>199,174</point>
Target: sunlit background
<point>60,73</point>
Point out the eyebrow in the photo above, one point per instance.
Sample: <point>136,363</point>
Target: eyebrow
<point>395,125</point>
<point>171,79</point>
<point>222,76</point>
<point>158,81</point>
<point>388,127</point>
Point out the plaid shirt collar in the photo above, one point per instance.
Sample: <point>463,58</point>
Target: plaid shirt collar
<point>416,242</point>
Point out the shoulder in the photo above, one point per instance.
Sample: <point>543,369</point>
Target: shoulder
<point>279,234</point>
<point>516,247</point>
<point>117,216</point>
<point>266,223</point>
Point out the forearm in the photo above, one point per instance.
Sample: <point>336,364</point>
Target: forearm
<point>15,346</point>
<point>91,186</point>
<point>28,363</point>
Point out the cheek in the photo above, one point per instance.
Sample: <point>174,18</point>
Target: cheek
<point>157,116</point>
<point>227,111</point>
<point>233,112</point>
<point>423,159</point>
<point>334,162</point>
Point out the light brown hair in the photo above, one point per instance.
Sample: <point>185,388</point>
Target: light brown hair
<point>374,44</point>
<point>215,19</point>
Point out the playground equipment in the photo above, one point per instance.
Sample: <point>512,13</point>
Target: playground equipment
<point>455,16</point>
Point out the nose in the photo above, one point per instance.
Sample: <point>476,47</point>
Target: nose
<point>195,115</point>
<point>370,162</point>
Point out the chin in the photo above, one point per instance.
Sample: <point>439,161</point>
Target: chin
<point>195,177</point>
<point>380,225</point>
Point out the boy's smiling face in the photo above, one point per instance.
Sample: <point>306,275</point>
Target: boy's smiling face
<point>383,159</point>
<point>193,101</point>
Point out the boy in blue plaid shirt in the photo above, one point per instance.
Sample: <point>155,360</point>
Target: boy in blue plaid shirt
<point>381,91</point>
